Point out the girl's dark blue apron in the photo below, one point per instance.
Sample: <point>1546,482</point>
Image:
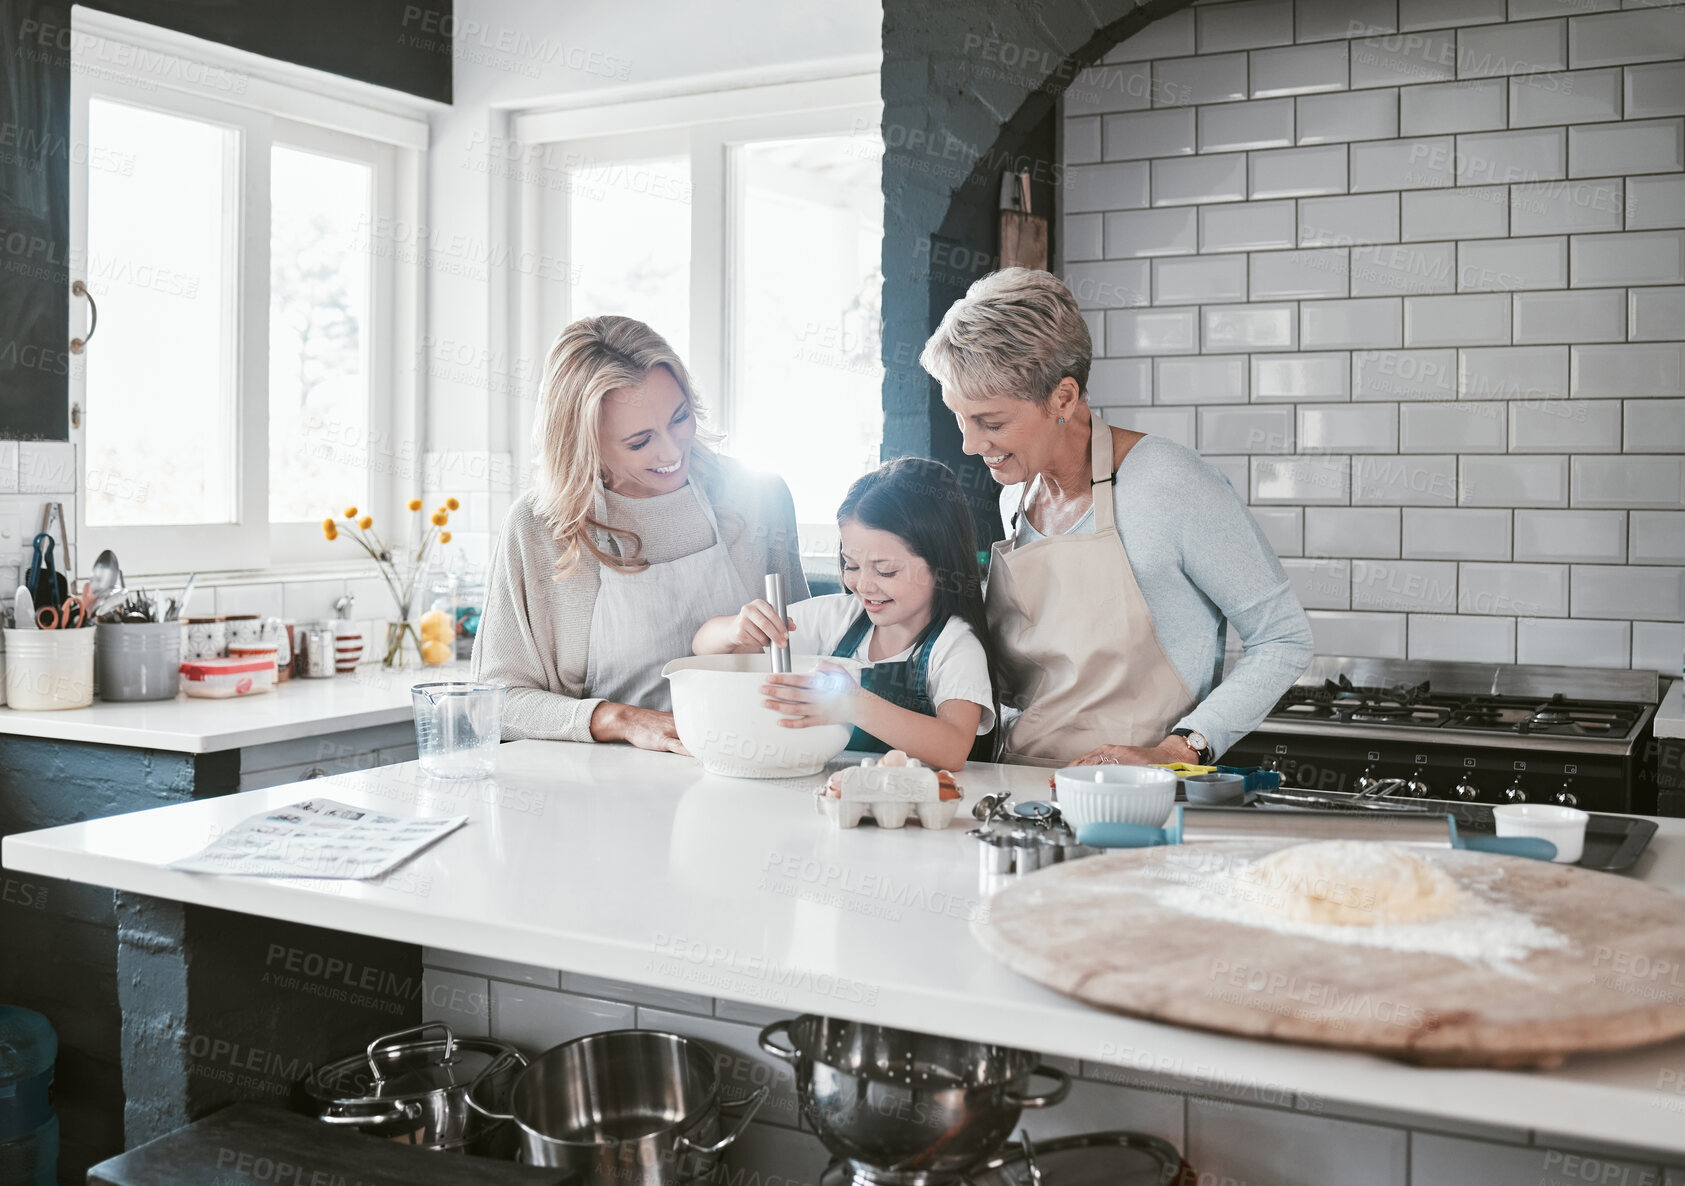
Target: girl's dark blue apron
<point>903,683</point>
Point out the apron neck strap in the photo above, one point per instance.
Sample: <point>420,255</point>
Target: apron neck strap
<point>856,632</point>
<point>1104,480</point>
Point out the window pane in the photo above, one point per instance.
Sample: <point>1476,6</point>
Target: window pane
<point>318,334</point>
<point>629,244</point>
<point>808,317</point>
<point>161,386</point>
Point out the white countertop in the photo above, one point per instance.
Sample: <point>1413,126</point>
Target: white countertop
<point>371,695</point>
<point>609,861</point>
<point>1670,714</point>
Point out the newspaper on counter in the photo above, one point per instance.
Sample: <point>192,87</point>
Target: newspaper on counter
<point>318,838</point>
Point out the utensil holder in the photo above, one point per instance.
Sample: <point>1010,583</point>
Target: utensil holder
<point>47,670</point>
<point>138,660</point>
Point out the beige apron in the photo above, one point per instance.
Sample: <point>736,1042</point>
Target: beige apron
<point>1076,639</point>
<point>645,619</point>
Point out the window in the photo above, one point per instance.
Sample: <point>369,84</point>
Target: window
<point>806,320</point>
<point>751,241</point>
<point>243,373</point>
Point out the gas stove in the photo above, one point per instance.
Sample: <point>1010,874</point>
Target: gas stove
<point>1463,733</point>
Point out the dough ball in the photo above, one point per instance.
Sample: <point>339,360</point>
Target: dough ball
<point>1352,883</point>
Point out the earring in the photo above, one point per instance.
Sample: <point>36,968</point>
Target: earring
<point>1061,420</point>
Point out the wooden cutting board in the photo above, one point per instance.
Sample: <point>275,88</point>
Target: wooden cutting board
<point>1093,929</point>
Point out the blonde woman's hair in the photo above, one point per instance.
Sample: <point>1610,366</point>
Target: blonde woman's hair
<point>1015,333</point>
<point>590,360</point>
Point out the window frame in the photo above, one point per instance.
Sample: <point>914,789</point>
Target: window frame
<point>836,99</point>
<point>266,102</point>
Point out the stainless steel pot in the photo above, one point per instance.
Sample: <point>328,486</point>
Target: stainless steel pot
<point>903,1108</point>
<point>622,1108</point>
<point>411,1087</point>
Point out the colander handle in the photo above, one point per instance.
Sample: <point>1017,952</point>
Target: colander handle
<point>750,1106</point>
<point>491,1069</point>
<point>1062,1088</point>
<point>767,1044</point>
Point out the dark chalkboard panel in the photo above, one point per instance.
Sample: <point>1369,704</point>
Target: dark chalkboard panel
<point>34,225</point>
<point>391,43</point>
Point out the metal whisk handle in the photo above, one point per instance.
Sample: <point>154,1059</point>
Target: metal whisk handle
<point>775,597</point>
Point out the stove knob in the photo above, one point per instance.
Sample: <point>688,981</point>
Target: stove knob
<point>1566,797</point>
<point>1466,790</point>
<point>1417,787</point>
<point>1514,793</point>
<point>1271,765</point>
<point>1368,781</point>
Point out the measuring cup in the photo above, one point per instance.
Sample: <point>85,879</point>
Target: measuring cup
<point>457,726</point>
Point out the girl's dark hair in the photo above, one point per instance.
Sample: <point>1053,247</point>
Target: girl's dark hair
<point>920,501</point>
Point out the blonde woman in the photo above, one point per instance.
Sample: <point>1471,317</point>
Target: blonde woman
<point>1126,556</point>
<point>634,534</point>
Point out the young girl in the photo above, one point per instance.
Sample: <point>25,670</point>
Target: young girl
<point>913,614</point>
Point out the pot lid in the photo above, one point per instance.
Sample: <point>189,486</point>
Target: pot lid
<point>405,1064</point>
<point>1088,1159</point>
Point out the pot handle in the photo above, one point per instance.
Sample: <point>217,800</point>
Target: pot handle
<point>398,1111</point>
<point>771,1047</point>
<point>491,1068</point>
<point>1062,1088</point>
<point>750,1105</point>
<point>412,1032</point>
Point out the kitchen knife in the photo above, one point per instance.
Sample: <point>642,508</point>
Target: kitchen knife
<point>1204,825</point>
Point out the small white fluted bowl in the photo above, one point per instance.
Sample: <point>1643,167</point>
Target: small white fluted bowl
<point>722,717</point>
<point>1564,827</point>
<point>1116,795</point>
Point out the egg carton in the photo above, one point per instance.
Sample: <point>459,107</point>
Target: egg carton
<point>887,813</point>
<point>890,792</point>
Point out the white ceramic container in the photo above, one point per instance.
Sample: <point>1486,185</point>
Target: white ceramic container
<point>1564,827</point>
<point>47,670</point>
<point>1116,794</point>
<point>723,720</point>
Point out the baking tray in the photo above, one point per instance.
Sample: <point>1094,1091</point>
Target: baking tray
<point>1613,842</point>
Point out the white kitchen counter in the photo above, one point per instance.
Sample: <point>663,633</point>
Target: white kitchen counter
<point>1670,714</point>
<point>609,861</point>
<point>372,695</point>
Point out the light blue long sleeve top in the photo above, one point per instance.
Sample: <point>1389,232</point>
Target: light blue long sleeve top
<point>1202,562</point>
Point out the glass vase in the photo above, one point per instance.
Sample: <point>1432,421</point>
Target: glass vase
<point>403,645</point>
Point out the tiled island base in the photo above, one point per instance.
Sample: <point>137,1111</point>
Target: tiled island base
<point>1232,1133</point>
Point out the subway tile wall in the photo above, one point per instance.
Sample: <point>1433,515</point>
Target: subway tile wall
<point>1412,273</point>
<point>1236,1132</point>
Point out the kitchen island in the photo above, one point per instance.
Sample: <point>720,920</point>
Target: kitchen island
<point>109,758</point>
<point>612,863</point>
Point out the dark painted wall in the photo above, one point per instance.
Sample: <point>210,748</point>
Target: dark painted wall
<point>970,91</point>
<point>393,43</point>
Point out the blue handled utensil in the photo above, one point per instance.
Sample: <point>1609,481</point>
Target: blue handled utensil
<point>1200,825</point>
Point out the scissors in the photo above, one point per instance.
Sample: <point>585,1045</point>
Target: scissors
<point>73,613</point>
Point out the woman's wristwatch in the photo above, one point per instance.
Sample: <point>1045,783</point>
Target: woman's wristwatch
<point>1196,742</point>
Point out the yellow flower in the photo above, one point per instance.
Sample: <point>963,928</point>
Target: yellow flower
<point>350,512</point>
<point>452,504</point>
<point>365,522</point>
<point>440,518</point>
<point>329,530</point>
<point>415,504</point>
<point>444,537</point>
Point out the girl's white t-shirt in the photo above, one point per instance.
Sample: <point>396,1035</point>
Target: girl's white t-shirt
<point>958,670</point>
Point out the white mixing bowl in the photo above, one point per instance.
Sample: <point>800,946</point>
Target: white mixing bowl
<point>1116,794</point>
<point>723,720</point>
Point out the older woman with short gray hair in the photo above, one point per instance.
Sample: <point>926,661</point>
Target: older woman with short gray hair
<point>1126,556</point>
